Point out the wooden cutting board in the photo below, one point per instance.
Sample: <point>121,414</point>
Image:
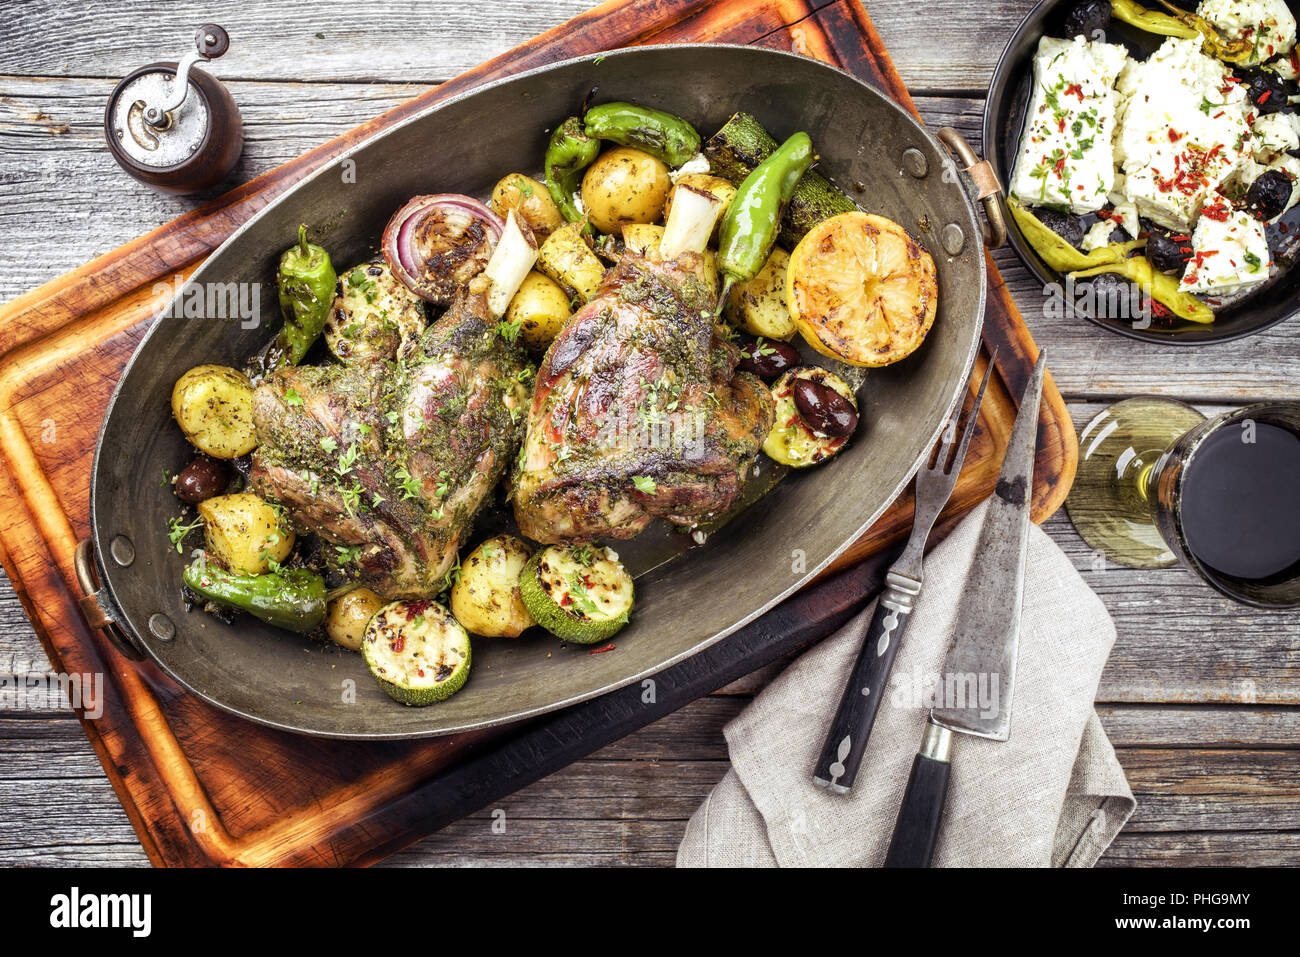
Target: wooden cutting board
<point>203,787</point>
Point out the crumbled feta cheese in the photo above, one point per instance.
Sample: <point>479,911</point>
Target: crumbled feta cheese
<point>1229,251</point>
<point>1124,210</point>
<point>1276,133</point>
<point>699,163</point>
<point>1098,235</point>
<point>1268,23</point>
<point>1184,128</point>
<point>1065,156</point>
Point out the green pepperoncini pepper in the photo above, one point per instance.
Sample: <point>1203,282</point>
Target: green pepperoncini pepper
<point>569,152</point>
<point>307,285</point>
<point>753,219</point>
<point>1181,23</point>
<point>663,135</point>
<point>293,599</point>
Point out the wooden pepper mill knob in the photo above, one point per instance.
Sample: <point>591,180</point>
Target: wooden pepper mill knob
<point>174,127</point>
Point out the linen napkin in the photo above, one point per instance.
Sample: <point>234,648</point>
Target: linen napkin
<point>1052,795</point>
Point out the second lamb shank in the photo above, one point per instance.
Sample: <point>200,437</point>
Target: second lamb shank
<point>638,410</point>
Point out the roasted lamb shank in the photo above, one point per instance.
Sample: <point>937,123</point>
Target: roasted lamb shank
<point>389,461</point>
<point>638,411</point>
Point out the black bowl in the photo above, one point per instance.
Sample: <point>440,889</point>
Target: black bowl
<point>1004,113</point>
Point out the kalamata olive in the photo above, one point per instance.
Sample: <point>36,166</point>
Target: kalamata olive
<point>1169,253</point>
<point>1069,228</point>
<point>824,409</point>
<point>1269,194</point>
<point>1114,297</point>
<point>202,479</point>
<point>1266,90</point>
<point>767,358</point>
<point>1087,19</point>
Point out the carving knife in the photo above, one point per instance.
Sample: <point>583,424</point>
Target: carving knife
<point>975,683</point>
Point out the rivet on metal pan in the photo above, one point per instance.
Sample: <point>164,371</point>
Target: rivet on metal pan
<point>122,550</point>
<point>914,162</point>
<point>161,627</point>
<point>953,239</point>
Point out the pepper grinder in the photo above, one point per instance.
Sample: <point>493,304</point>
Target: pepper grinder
<point>174,127</point>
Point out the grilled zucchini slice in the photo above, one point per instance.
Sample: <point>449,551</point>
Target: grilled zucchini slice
<point>793,441</point>
<point>578,593</point>
<point>417,652</point>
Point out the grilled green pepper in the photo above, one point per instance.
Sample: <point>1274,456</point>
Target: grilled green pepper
<point>742,144</point>
<point>753,218</point>
<point>662,135</point>
<point>1057,252</point>
<point>293,599</point>
<point>1181,23</point>
<point>569,152</point>
<point>1161,287</point>
<point>307,286</point>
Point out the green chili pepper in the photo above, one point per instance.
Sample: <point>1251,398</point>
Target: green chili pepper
<point>1057,252</point>
<point>668,137</point>
<point>753,218</point>
<point>293,599</point>
<point>1181,23</point>
<point>1161,287</point>
<point>569,152</point>
<point>307,285</point>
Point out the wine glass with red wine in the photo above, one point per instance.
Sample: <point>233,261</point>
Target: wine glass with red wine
<point>1159,483</point>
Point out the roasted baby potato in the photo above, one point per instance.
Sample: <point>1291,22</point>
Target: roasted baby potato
<point>244,533</point>
<point>705,182</point>
<point>758,306</point>
<point>531,200</point>
<point>624,186</point>
<point>348,615</point>
<point>486,599</point>
<point>374,316</point>
<point>566,258</point>
<point>214,407</point>
<point>643,239</point>
<point>540,307</point>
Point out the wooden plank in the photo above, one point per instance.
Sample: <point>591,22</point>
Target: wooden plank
<point>398,40</point>
<point>1220,849</point>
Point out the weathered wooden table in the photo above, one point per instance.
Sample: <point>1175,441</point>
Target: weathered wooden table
<point>1201,696</point>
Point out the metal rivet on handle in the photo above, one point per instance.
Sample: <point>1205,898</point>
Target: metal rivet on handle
<point>161,627</point>
<point>914,162</point>
<point>953,239</point>
<point>122,550</point>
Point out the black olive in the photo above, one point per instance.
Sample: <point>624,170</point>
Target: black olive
<point>1266,90</point>
<point>767,359</point>
<point>824,409</point>
<point>201,480</point>
<point>1114,297</point>
<point>1087,19</point>
<point>1069,228</point>
<point>1269,194</point>
<point>1168,254</point>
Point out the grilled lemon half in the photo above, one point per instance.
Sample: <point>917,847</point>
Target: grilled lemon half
<point>860,289</point>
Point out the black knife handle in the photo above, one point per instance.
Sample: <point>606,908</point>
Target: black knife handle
<point>846,741</point>
<point>917,829</point>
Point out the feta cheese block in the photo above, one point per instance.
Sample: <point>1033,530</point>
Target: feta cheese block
<point>1229,252</point>
<point>1269,24</point>
<point>1066,159</point>
<point>1275,134</point>
<point>1183,128</point>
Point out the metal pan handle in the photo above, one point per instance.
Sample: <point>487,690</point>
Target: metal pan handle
<point>984,185</point>
<point>93,599</point>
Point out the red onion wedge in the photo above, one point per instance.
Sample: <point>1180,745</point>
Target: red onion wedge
<point>435,244</point>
